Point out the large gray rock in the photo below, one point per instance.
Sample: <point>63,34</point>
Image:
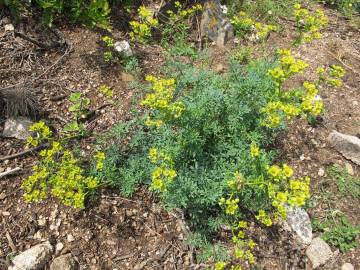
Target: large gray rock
<point>17,128</point>
<point>215,25</point>
<point>34,258</point>
<point>347,145</point>
<point>64,262</point>
<point>298,220</point>
<point>318,252</point>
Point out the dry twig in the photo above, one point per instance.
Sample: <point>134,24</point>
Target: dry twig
<point>25,152</point>
<point>12,171</point>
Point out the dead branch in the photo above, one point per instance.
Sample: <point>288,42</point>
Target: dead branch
<point>11,242</point>
<point>34,41</point>
<point>9,172</point>
<point>25,152</point>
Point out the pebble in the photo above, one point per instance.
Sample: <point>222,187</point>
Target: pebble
<point>70,238</point>
<point>349,168</point>
<point>6,213</point>
<point>59,246</point>
<point>2,196</point>
<point>9,27</point>
<point>321,172</point>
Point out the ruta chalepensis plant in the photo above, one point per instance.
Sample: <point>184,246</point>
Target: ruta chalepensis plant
<point>58,171</point>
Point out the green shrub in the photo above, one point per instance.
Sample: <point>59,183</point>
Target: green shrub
<point>347,7</point>
<point>207,144</point>
<point>91,12</point>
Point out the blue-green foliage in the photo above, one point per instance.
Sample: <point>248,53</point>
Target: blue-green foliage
<point>208,143</point>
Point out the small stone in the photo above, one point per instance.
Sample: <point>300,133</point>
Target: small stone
<point>42,221</point>
<point>6,213</point>
<point>59,246</point>
<point>64,262</point>
<point>321,172</point>
<point>34,258</point>
<point>38,235</point>
<point>70,238</point>
<point>349,168</point>
<point>9,27</point>
<point>2,196</point>
<point>318,252</point>
<point>302,157</point>
<point>347,145</point>
<point>126,77</point>
<point>123,47</point>
<point>347,266</point>
<point>17,128</point>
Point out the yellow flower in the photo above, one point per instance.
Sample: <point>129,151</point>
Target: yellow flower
<point>287,171</point>
<point>254,150</point>
<point>274,171</point>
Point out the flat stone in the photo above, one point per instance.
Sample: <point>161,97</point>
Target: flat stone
<point>126,77</point>
<point>347,266</point>
<point>17,128</point>
<point>64,262</point>
<point>299,222</point>
<point>347,145</point>
<point>34,258</point>
<point>214,24</point>
<point>318,252</point>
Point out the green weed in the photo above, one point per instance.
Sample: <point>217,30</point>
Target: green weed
<point>337,231</point>
<point>347,185</point>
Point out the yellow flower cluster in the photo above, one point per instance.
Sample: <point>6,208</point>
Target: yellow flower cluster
<point>311,102</point>
<point>100,158</point>
<point>264,218</point>
<point>182,13</point>
<point>163,174</point>
<point>59,173</point>
<point>288,66</point>
<point>335,75</point>
<point>141,30</point>
<point>69,183</point>
<point>254,150</point>
<point>244,24</point>
<point>309,25</point>
<point>231,205</point>
<point>109,41</point>
<point>275,110</point>
<point>42,131</point>
<point>106,90</point>
<point>283,190</point>
<point>161,101</point>
<point>307,104</point>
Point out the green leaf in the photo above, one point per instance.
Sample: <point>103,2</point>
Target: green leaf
<point>75,96</point>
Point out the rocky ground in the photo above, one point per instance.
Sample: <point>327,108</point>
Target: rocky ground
<point>137,233</point>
